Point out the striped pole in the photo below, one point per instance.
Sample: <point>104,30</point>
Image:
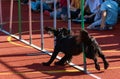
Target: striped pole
<point>11,16</point>
<point>19,19</point>
<point>30,22</point>
<point>69,15</point>
<point>82,25</point>
<point>41,19</point>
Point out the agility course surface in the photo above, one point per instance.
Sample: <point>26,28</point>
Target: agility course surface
<point>20,61</point>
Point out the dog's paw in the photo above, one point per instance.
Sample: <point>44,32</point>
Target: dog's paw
<point>106,65</point>
<point>45,64</point>
<point>97,67</point>
<point>59,63</point>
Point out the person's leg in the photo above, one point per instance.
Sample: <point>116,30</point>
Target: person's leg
<point>57,14</point>
<point>74,14</point>
<point>95,25</point>
<point>38,2</point>
<point>35,6</point>
<point>46,7</point>
<point>89,20</point>
<point>64,13</point>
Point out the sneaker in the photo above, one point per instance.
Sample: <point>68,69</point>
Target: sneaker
<point>109,27</point>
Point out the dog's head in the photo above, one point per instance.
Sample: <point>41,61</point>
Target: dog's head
<point>60,32</point>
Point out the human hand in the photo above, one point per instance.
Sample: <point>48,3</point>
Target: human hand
<point>87,16</point>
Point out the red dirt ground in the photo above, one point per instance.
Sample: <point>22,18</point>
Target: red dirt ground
<point>17,61</point>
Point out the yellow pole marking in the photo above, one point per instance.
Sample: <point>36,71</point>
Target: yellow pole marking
<point>10,41</point>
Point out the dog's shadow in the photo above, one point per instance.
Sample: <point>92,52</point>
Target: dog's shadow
<point>55,71</point>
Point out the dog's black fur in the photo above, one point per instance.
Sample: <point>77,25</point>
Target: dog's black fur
<point>71,45</point>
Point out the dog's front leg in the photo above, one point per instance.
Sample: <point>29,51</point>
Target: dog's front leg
<point>55,53</point>
<point>64,60</point>
<point>97,66</point>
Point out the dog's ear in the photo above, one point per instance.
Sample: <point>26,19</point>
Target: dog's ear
<point>50,30</point>
<point>47,29</point>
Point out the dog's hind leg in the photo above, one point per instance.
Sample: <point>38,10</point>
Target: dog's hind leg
<point>106,64</point>
<point>97,66</point>
<point>64,60</point>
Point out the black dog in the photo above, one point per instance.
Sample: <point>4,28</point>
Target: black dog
<point>71,45</point>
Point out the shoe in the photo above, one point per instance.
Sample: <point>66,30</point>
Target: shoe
<point>109,27</point>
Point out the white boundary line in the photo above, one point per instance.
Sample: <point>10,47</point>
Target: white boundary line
<point>45,51</point>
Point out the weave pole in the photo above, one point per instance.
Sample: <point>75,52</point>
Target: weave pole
<point>55,14</point>
<point>82,26</point>
<point>30,22</point>
<point>1,20</point>
<point>19,19</point>
<point>41,19</point>
<point>55,19</point>
<point>69,15</point>
<point>11,16</point>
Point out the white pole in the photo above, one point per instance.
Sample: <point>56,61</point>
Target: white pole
<point>69,15</point>
<point>42,32</point>
<point>11,16</point>
<point>55,19</point>
<point>30,22</point>
<point>1,22</point>
<point>55,14</point>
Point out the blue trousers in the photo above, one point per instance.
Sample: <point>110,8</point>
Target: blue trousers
<point>58,15</point>
<point>36,5</point>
